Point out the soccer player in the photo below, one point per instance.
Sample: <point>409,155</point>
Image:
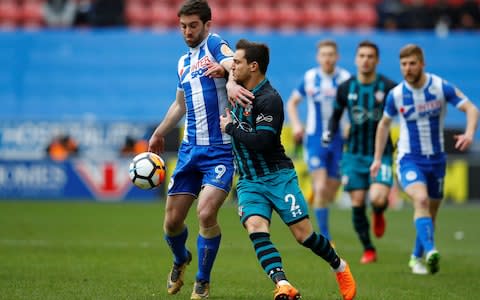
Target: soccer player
<point>319,87</point>
<point>267,177</point>
<point>363,96</point>
<point>205,160</point>
<point>420,103</point>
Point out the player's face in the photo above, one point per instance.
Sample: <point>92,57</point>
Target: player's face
<point>412,69</point>
<point>240,67</point>
<point>193,29</point>
<point>327,58</point>
<point>366,60</point>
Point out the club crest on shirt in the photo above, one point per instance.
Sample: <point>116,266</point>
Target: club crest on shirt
<point>379,96</point>
<point>226,50</point>
<point>248,110</point>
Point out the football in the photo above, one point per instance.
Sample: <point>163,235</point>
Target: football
<point>147,170</point>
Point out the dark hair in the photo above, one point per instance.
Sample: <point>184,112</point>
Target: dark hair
<point>412,49</point>
<point>196,7</point>
<point>257,52</point>
<point>370,45</point>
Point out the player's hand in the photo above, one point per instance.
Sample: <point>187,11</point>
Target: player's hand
<point>239,94</point>
<point>326,138</point>
<point>156,144</point>
<point>298,134</point>
<point>225,119</point>
<point>215,70</point>
<point>375,167</point>
<point>463,141</point>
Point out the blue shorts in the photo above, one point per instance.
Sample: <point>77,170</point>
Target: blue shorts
<point>278,191</point>
<point>320,157</point>
<point>429,171</point>
<point>202,165</point>
<point>356,172</point>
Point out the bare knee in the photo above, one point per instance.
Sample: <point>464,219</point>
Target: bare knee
<point>173,224</point>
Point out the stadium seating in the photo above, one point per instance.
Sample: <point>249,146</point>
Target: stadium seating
<point>249,14</point>
<point>31,13</point>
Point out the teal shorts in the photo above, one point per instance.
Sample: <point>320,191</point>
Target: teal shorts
<point>278,191</point>
<point>356,172</point>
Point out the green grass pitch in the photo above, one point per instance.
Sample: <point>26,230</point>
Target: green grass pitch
<point>84,250</point>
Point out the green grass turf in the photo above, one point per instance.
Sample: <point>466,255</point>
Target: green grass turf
<point>84,250</point>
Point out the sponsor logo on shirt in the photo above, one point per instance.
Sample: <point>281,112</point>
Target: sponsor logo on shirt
<point>200,67</point>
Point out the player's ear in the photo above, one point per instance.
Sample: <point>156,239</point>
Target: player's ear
<point>208,24</point>
<point>253,66</point>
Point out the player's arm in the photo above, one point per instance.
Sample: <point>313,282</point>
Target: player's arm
<point>334,122</point>
<point>175,113</point>
<point>381,137</point>
<point>463,141</point>
<point>237,93</point>
<point>292,111</point>
<point>259,139</point>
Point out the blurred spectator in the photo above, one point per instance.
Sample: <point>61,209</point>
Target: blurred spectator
<point>106,13</point>
<point>133,146</point>
<point>59,13</point>
<point>62,147</point>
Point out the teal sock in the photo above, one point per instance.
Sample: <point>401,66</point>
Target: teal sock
<point>268,256</point>
<point>321,247</point>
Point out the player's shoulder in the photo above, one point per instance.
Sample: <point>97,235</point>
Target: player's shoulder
<point>387,81</point>
<point>268,95</point>
<point>346,83</point>
<point>311,73</point>
<point>214,40</point>
<point>342,73</point>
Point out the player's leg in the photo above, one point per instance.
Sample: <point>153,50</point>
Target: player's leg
<point>362,226</point>
<point>379,190</point>
<point>331,183</point>
<point>208,240</point>
<point>321,200</point>
<point>216,165</point>
<point>176,234</point>
<point>356,181</point>
<point>269,257</point>
<point>291,206</point>
<point>379,201</point>
<point>317,159</point>
<point>423,222</point>
<point>256,211</point>
<point>435,178</point>
<point>183,188</point>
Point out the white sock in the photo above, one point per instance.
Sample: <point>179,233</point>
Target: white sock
<point>341,267</point>
<point>283,282</point>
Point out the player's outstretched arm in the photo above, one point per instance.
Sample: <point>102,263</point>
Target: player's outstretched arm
<point>381,136</point>
<point>175,113</point>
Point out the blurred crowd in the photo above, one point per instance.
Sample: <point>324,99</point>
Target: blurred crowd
<point>300,14</point>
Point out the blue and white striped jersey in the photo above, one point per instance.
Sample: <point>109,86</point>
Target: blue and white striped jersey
<point>320,91</point>
<point>421,112</point>
<point>205,98</point>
